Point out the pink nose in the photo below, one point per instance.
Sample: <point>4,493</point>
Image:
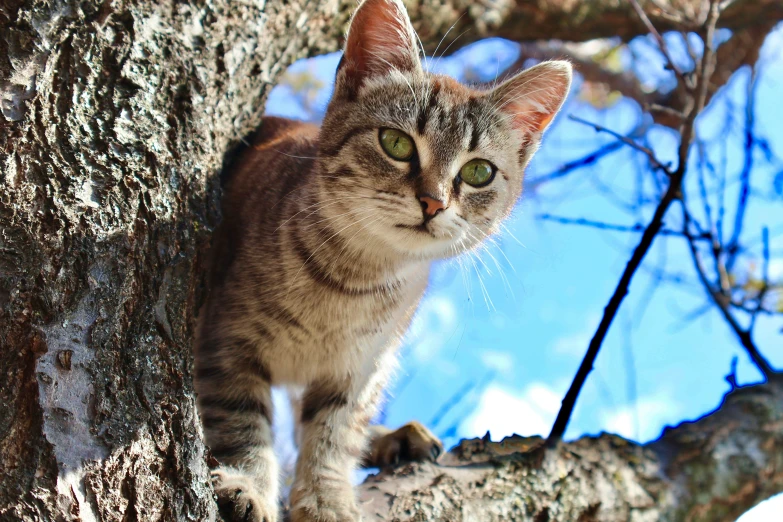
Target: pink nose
<point>431,206</point>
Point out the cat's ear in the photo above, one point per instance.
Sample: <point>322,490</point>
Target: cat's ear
<point>380,39</point>
<point>532,98</point>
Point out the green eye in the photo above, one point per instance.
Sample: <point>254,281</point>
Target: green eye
<point>397,144</point>
<point>477,172</point>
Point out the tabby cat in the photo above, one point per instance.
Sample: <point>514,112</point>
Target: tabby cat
<point>324,254</point>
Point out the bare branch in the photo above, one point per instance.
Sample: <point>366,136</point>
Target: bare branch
<point>648,236</point>
<point>673,116</point>
<point>742,49</point>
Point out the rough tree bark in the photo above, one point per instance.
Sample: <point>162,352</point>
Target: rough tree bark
<point>116,116</point>
<point>709,470</point>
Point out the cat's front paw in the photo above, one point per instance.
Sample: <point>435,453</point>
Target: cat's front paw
<point>309,504</point>
<point>412,442</point>
<point>239,500</point>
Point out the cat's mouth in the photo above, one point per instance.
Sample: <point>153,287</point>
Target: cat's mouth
<point>421,227</point>
<point>431,233</point>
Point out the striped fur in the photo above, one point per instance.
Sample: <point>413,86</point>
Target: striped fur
<point>324,254</point>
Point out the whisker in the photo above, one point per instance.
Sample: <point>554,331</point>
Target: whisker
<point>502,273</point>
<point>453,42</point>
<point>359,211</point>
<point>508,231</point>
<point>484,292</point>
<point>356,184</point>
<point>348,241</point>
<point>327,203</point>
<point>435,52</point>
<point>500,249</point>
<point>295,156</point>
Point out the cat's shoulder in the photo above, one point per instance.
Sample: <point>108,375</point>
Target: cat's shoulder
<point>279,145</point>
<point>275,132</point>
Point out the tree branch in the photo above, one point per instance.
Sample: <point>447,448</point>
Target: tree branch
<point>605,478</point>
<point>566,20</point>
<point>666,108</point>
<point>624,82</point>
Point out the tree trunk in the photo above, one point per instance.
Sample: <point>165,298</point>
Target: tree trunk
<point>116,117</point>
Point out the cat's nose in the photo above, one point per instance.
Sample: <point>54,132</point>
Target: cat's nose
<point>431,206</point>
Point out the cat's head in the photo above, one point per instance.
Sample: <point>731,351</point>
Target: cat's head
<point>425,166</point>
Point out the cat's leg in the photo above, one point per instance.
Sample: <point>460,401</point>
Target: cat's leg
<point>411,442</point>
<point>334,418</point>
<point>235,403</point>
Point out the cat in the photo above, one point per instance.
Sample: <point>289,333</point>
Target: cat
<point>324,252</point>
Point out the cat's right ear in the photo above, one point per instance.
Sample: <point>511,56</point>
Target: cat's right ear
<point>380,40</point>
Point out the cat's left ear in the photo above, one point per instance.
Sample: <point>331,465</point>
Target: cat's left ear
<point>380,39</point>
<point>532,98</point>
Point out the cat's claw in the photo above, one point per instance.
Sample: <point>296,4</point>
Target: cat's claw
<point>239,500</point>
<point>411,443</point>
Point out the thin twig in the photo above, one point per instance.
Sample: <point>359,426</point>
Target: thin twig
<point>744,192</point>
<point>589,67</point>
<point>661,42</point>
<point>668,110</point>
<point>745,337</point>
<point>628,141</point>
<point>705,200</point>
<point>637,227</point>
<point>764,278</point>
<point>731,378</point>
<point>459,396</point>
<point>571,166</point>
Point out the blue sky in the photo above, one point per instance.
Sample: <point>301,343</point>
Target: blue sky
<point>499,335</point>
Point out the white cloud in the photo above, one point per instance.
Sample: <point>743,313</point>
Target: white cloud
<point>776,269</point>
<point>501,362</point>
<point>504,413</point>
<point>575,344</point>
<point>433,327</point>
<point>652,412</point>
<point>767,511</point>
